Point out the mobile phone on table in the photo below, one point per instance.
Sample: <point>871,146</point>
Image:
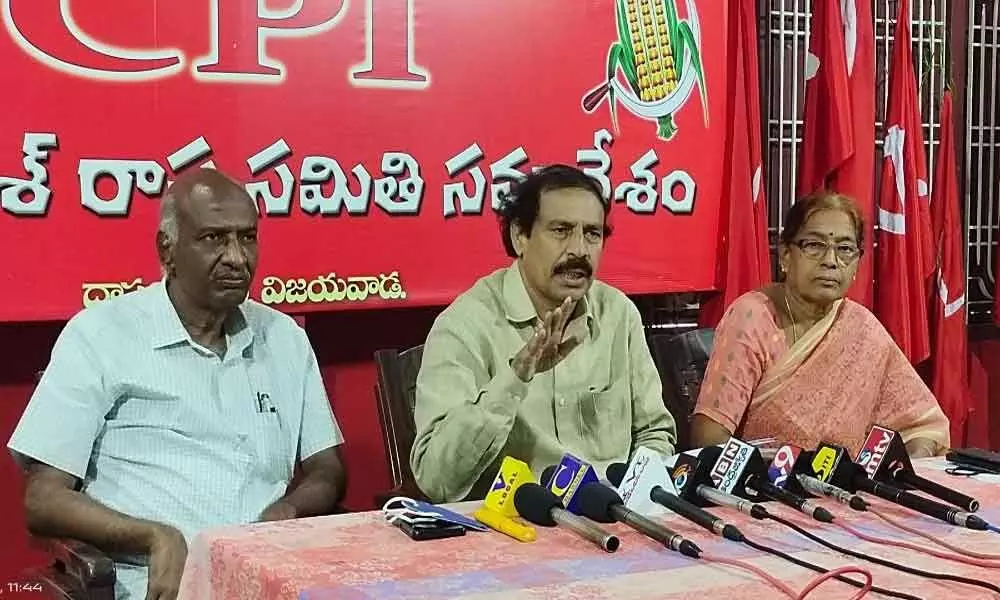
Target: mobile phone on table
<point>421,531</point>
<point>975,457</point>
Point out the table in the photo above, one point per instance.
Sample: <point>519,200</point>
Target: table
<point>361,557</point>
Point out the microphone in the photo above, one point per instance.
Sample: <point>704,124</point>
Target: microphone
<point>691,478</point>
<point>513,473</point>
<point>790,470</point>
<point>787,461</point>
<point>816,487</point>
<point>566,478</point>
<point>645,479</point>
<point>498,511</point>
<point>740,471</point>
<point>603,504</point>
<point>884,458</point>
<point>541,507</point>
<point>833,465</point>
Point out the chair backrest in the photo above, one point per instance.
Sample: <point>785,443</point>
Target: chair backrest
<point>681,360</point>
<point>396,391</point>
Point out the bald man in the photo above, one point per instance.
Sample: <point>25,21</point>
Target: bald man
<point>179,407</point>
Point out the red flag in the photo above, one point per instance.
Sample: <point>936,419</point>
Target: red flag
<point>856,176</point>
<point>827,136</point>
<point>745,262</point>
<point>901,295</point>
<point>949,373</point>
<point>838,152</point>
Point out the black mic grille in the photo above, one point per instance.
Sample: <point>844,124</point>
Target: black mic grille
<point>616,472</point>
<point>596,501</point>
<point>535,503</point>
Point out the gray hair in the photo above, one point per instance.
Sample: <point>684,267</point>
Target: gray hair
<point>168,223</point>
<point>168,218</point>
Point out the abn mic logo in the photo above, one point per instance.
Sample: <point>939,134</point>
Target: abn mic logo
<point>871,456</point>
<point>782,465</point>
<point>730,465</point>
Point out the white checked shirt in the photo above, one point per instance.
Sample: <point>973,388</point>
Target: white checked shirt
<point>160,428</point>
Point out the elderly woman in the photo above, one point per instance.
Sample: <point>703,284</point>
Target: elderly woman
<point>798,362</point>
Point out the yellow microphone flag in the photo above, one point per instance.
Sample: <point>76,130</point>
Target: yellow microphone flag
<point>513,474</point>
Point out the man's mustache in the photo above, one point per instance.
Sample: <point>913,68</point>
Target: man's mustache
<point>575,264</point>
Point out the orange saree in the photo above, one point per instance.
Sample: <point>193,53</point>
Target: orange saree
<point>841,377</point>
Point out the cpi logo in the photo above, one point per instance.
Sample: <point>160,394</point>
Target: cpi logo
<point>654,65</point>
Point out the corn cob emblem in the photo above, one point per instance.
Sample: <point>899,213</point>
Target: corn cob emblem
<point>659,56</point>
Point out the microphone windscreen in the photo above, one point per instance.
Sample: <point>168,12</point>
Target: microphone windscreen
<point>535,503</point>
<point>595,502</point>
<point>616,472</point>
<point>709,455</point>
<point>547,473</point>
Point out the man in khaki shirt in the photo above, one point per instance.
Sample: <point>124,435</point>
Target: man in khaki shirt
<point>537,359</point>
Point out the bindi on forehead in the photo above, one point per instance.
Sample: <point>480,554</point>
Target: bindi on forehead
<point>828,234</point>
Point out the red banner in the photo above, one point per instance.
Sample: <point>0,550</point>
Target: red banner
<point>375,137</point>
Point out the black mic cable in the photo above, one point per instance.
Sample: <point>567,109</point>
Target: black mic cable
<point>881,561</point>
<point>759,512</point>
<point>819,569</point>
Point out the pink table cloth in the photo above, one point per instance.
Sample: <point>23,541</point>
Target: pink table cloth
<point>361,557</point>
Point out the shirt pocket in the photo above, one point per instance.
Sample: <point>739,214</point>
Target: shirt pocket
<point>271,438</point>
<point>606,418</point>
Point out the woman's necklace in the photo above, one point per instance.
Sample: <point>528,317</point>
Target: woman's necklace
<point>795,332</point>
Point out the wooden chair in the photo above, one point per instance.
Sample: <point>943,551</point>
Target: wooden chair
<point>78,571</point>
<point>396,393</point>
<point>681,360</point>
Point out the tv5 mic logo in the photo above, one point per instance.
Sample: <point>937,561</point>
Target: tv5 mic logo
<point>824,463</point>
<point>782,465</point>
<point>873,453</point>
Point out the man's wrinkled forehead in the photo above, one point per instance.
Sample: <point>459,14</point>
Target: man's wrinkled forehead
<point>208,205</point>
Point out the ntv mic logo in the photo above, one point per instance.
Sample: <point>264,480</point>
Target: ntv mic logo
<point>873,453</point>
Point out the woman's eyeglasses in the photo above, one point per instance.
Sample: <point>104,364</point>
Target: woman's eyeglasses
<point>817,249</point>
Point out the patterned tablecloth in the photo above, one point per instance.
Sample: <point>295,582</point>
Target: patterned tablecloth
<point>361,557</point>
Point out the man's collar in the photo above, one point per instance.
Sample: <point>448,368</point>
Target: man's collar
<point>168,330</point>
<point>517,305</point>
